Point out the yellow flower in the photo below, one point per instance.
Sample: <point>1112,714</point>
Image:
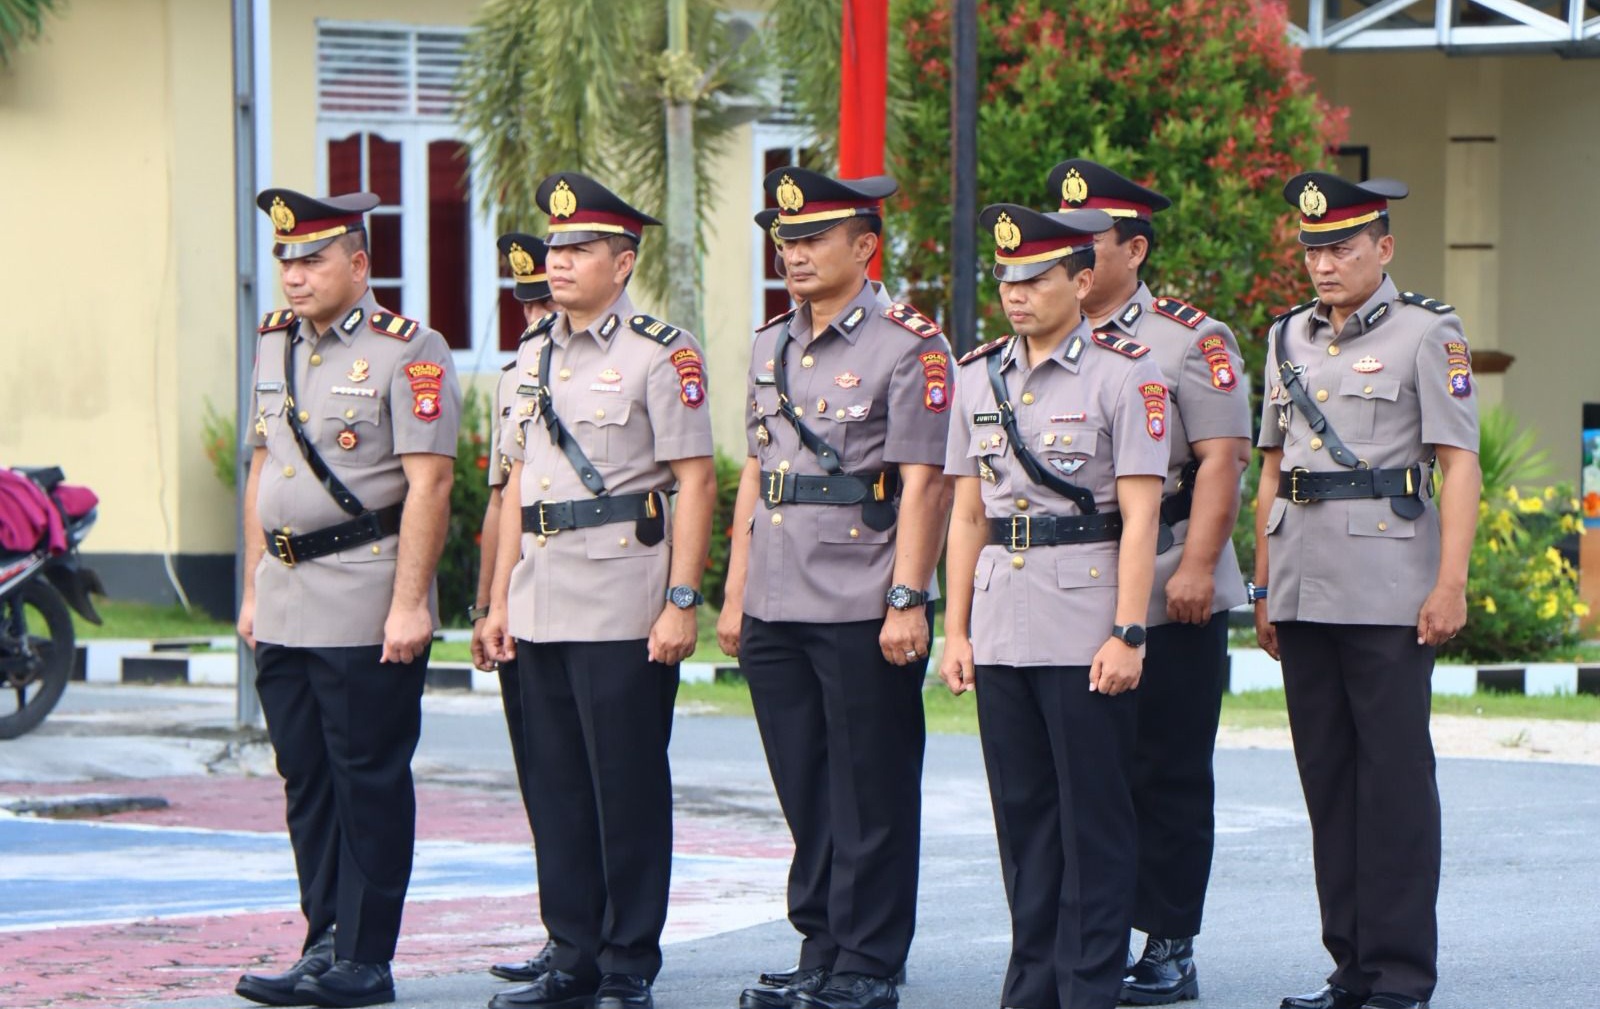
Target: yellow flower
<point>1549,608</point>
<point>1511,493</point>
<point>1530,505</point>
<point>1580,609</point>
<point>1494,545</point>
<point>1489,606</point>
<point>1549,493</point>
<point>1553,555</point>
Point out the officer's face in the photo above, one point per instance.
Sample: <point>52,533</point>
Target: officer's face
<point>1116,264</point>
<point>533,311</point>
<point>587,277</point>
<point>1346,273</point>
<point>321,286</point>
<point>827,264</point>
<point>1048,305</point>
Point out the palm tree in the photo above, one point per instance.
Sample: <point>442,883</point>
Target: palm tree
<point>21,21</point>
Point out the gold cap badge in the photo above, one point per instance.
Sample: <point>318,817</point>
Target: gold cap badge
<point>772,229</point>
<point>521,262</point>
<point>1006,233</point>
<point>789,195</point>
<point>563,201</point>
<point>1073,188</point>
<point>1312,202</point>
<point>282,216</point>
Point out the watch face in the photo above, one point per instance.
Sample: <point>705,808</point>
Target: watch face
<point>899,597</point>
<point>683,597</point>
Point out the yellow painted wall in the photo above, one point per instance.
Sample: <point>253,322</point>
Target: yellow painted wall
<point>727,278</point>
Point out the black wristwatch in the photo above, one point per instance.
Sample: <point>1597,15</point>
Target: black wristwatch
<point>1131,635</point>
<point>903,597</point>
<point>684,597</point>
<point>477,613</point>
<point>1255,593</point>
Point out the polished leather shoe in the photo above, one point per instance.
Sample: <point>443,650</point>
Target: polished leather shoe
<point>1331,996</point>
<point>623,991</point>
<point>785,978</point>
<point>1165,973</point>
<point>783,996</point>
<point>348,983</point>
<point>554,989</point>
<point>527,970</point>
<point>278,989</point>
<point>851,991</point>
<point>1383,1000</point>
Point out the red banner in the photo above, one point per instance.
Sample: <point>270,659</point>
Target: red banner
<point>863,91</point>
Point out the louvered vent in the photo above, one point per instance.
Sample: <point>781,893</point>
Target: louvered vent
<point>374,72</point>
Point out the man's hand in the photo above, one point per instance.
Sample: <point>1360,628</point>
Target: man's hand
<point>955,668</point>
<point>480,650</point>
<point>672,639</point>
<point>1444,613</point>
<point>1189,595</point>
<point>1116,667</point>
<point>730,627</point>
<point>498,644</point>
<point>904,638</point>
<point>247,621</point>
<point>1266,632</point>
<point>406,634</point>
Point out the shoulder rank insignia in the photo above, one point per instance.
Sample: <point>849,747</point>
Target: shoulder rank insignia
<point>397,326</point>
<point>983,350</point>
<point>1179,311</point>
<point>509,365</point>
<point>780,317</point>
<point>909,318</point>
<point>283,318</point>
<point>1120,344</point>
<point>1296,310</point>
<point>655,329</point>
<point>1423,301</point>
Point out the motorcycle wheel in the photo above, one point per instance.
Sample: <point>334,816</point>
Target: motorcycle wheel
<point>37,669</point>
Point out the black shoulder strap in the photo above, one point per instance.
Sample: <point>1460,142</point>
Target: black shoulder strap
<point>827,456</point>
<point>559,435</point>
<point>1029,462</point>
<point>1308,406</point>
<point>341,494</point>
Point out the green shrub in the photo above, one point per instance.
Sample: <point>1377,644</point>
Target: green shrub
<point>469,496</point>
<point>219,436</point>
<point>728,469</point>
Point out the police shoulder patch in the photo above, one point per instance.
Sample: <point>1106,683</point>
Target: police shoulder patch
<point>655,329</point>
<point>984,350</point>
<point>1423,301</point>
<point>1179,311</point>
<point>283,318</point>
<point>780,317</point>
<point>1121,344</point>
<point>397,326</point>
<point>904,315</point>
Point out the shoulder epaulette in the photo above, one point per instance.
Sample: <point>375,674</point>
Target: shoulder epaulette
<point>1423,301</point>
<point>1179,311</point>
<point>1296,310</point>
<point>984,350</point>
<point>542,326</point>
<point>655,329</point>
<point>909,318</point>
<point>283,318</point>
<point>780,317</point>
<point>1121,344</point>
<point>509,365</point>
<point>389,324</point>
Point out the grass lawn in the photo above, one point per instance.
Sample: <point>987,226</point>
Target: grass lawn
<point>142,620</point>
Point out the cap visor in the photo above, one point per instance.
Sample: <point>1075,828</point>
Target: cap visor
<point>531,292</point>
<point>299,250</point>
<point>560,238</point>
<point>1015,274</point>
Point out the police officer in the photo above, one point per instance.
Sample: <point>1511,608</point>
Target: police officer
<point>836,532</point>
<point>595,594</point>
<point>1361,576</point>
<point>525,255</point>
<point>1059,447</point>
<point>1197,578</point>
<point>356,411</point>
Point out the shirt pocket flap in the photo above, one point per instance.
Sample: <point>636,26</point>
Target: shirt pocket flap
<point>1087,569</point>
<point>1275,516</point>
<point>842,524</point>
<point>1377,519</point>
<point>1370,387</point>
<point>601,412</point>
<point>610,541</point>
<point>982,573</point>
<point>986,441</point>
<point>367,553</point>
<point>765,402</point>
<point>351,410</point>
<point>1069,440</point>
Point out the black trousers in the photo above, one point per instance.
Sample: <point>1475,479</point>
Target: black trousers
<point>1359,699</point>
<point>843,732</point>
<point>596,721</point>
<point>344,727</point>
<point>511,702</point>
<point>1058,758</point>
<point>1179,700</point>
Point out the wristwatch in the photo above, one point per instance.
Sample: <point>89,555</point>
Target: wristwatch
<point>477,613</point>
<point>903,597</point>
<point>1131,635</point>
<point>1255,593</point>
<point>684,597</point>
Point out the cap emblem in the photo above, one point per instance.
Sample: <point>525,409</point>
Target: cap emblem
<point>1073,188</point>
<point>1312,202</point>
<point>1006,233</point>
<point>282,216</point>
<point>563,202</point>
<point>789,195</point>
<point>521,262</point>
<point>772,229</point>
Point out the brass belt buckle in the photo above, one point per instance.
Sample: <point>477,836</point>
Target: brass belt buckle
<point>1025,524</point>
<point>1294,486</point>
<point>545,529</point>
<point>285,549</point>
<point>774,488</point>
<point>880,486</point>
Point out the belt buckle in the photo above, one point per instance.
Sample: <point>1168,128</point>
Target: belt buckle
<point>774,487</point>
<point>880,486</point>
<point>1294,486</point>
<point>544,528</point>
<point>1025,523</point>
<point>285,549</point>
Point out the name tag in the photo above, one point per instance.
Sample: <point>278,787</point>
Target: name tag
<point>353,390</point>
<point>269,387</point>
<point>766,380</point>
<point>986,418</point>
<point>527,390</point>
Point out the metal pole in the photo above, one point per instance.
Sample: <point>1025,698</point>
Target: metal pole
<point>248,707</point>
<point>963,322</point>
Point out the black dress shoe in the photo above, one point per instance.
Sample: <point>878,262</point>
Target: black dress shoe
<point>785,978</point>
<point>1383,1000</point>
<point>555,989</point>
<point>348,983</point>
<point>1164,974</point>
<point>851,991</point>
<point>623,991</point>
<point>527,970</point>
<point>783,996</point>
<point>278,989</point>
<point>1331,996</point>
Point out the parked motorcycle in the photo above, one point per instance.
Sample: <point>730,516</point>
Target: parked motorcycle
<point>42,522</point>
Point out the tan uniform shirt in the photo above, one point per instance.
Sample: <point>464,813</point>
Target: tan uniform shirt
<point>1394,382</point>
<point>635,406</point>
<point>365,398</point>
<point>1210,399</point>
<point>501,430</point>
<point>877,392</point>
<point>1092,414</point>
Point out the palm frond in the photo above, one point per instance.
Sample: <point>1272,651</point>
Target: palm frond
<point>21,22</point>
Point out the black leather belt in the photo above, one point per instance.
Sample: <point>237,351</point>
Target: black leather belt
<point>782,487</point>
<point>1021,532</point>
<point>368,527</point>
<point>550,517</point>
<point>1303,486</point>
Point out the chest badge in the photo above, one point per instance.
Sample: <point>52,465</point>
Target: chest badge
<point>610,380</point>
<point>360,371</point>
<point>1367,365</point>
<point>856,412</point>
<point>611,375</point>
<point>1067,467</point>
<point>347,439</point>
<point>849,380</point>
<point>763,436</point>
<point>261,425</point>
<point>1068,418</point>
<point>985,472</point>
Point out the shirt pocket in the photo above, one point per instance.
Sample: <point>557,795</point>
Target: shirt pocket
<point>615,540</point>
<point>1358,401</point>
<point>381,552</point>
<point>841,524</point>
<point>1065,454</point>
<point>1084,570</point>
<point>1375,519</point>
<point>983,572</point>
<point>269,412</point>
<point>1275,516</point>
<point>599,425</point>
<point>351,430</point>
<point>837,419</point>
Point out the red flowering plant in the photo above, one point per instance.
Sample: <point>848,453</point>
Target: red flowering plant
<point>469,496</point>
<point>1202,100</point>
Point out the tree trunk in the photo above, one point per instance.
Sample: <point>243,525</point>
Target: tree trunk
<point>683,260</point>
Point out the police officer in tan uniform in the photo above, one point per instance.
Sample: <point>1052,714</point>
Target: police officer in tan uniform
<point>1369,391</point>
<point>836,533</point>
<point>525,255</point>
<point>1058,446</point>
<point>595,592</point>
<point>356,412</point>
<point>1197,577</point>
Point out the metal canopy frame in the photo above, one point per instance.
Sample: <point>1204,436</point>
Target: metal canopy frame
<point>1455,26</point>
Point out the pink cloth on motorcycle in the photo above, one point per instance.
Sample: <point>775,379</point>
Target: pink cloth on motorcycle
<point>27,516</point>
